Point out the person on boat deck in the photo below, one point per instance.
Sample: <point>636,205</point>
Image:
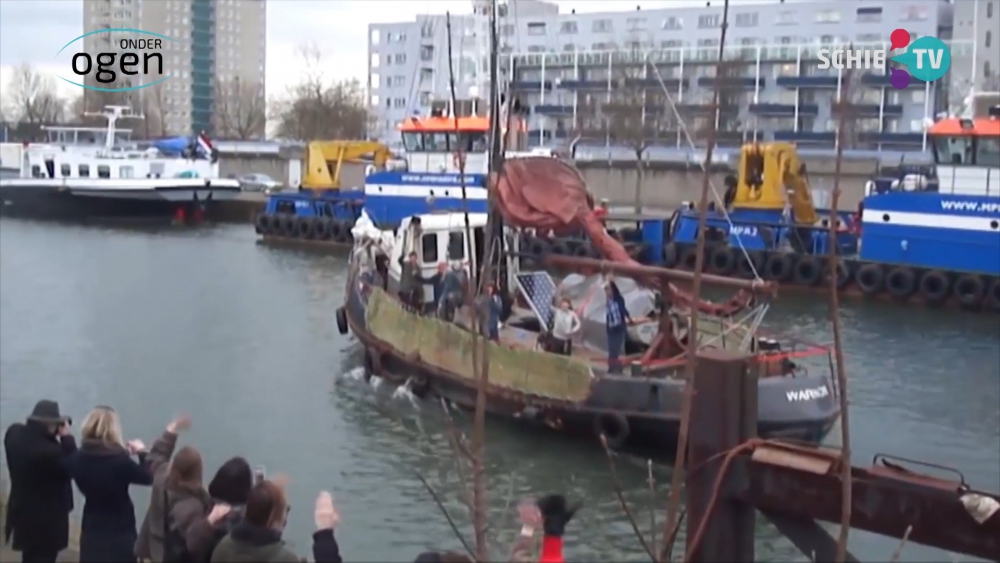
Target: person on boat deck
<point>617,325</point>
<point>452,291</point>
<point>411,282</point>
<point>565,323</point>
<point>491,306</point>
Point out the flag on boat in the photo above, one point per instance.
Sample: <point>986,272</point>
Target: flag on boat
<point>205,145</point>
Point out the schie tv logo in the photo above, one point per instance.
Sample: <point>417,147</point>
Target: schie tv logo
<point>926,58</point>
<point>138,54</point>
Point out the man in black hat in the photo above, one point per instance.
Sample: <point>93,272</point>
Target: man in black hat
<point>41,491</point>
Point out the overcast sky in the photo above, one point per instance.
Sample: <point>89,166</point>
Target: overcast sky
<point>32,31</point>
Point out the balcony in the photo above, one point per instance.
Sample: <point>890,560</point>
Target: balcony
<point>741,82</point>
<point>892,138</point>
<point>872,110</point>
<point>816,137</point>
<point>671,83</point>
<point>551,109</point>
<point>806,81</point>
<point>882,81</point>
<point>530,85</point>
<point>706,109</point>
<point>784,110</point>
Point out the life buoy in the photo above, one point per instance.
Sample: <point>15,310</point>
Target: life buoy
<point>778,267</point>
<point>614,428</point>
<point>288,226</point>
<point>722,260</point>
<point>808,271</point>
<point>993,295</point>
<point>561,248</point>
<point>304,227</point>
<point>870,279</point>
<point>321,229</point>
<point>670,255</point>
<point>969,290</point>
<point>934,286</point>
<point>689,257</point>
<point>342,325</point>
<point>262,224</point>
<point>749,263</point>
<point>901,282</point>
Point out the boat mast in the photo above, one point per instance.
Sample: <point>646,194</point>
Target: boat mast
<point>112,114</point>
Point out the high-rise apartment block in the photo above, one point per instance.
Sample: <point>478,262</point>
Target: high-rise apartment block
<point>570,67</point>
<point>217,43</point>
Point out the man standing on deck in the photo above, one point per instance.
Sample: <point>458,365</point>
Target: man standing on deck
<point>617,325</point>
<point>490,308</point>
<point>452,291</point>
<point>411,283</point>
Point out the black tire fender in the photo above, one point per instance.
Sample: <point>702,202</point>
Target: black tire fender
<point>808,271</point>
<point>722,260</point>
<point>583,250</point>
<point>288,226</point>
<point>262,224</point>
<point>342,325</point>
<point>901,282</point>
<point>614,427</point>
<point>336,228</point>
<point>992,298</point>
<point>561,248</point>
<point>870,279</point>
<point>969,290</point>
<point>749,262</point>
<point>689,257</point>
<point>304,227</point>
<point>670,255</point>
<point>934,286</point>
<point>538,247</point>
<point>321,229</point>
<point>779,267</point>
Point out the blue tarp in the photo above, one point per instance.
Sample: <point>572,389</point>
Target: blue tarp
<point>175,145</point>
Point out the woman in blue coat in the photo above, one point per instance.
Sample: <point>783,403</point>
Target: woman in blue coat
<point>103,470</point>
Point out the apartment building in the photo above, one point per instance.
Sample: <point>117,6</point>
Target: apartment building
<point>218,41</point>
<point>569,65</point>
<point>979,20</point>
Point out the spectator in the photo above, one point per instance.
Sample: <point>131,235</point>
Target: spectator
<point>149,545</point>
<point>103,470</point>
<point>228,490</point>
<point>454,287</point>
<point>565,323</point>
<point>491,307</point>
<point>411,290</point>
<point>617,319</point>
<point>258,537</point>
<point>555,515</point>
<point>41,493</point>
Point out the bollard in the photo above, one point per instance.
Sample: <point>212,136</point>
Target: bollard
<point>723,416</point>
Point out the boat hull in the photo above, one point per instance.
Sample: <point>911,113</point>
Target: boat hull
<point>25,198</point>
<point>800,408</point>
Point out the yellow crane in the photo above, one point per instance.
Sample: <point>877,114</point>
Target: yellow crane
<point>325,159</point>
<point>769,175</point>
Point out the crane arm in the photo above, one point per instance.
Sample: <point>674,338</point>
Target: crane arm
<point>325,159</point>
<point>799,196</point>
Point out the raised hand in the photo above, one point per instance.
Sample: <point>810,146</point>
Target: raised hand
<point>528,514</point>
<point>135,446</point>
<point>281,480</point>
<point>218,512</point>
<point>326,515</point>
<point>66,428</point>
<point>182,422</point>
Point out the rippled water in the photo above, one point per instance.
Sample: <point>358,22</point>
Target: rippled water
<point>241,335</point>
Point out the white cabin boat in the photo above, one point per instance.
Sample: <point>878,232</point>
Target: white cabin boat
<point>87,173</point>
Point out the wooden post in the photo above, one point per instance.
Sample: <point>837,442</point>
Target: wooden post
<point>723,416</point>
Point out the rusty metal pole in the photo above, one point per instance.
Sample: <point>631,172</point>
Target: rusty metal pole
<point>723,416</point>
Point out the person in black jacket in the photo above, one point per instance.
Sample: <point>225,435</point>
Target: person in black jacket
<point>41,493</point>
<point>103,470</point>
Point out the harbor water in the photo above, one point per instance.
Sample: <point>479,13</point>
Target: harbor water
<point>242,336</point>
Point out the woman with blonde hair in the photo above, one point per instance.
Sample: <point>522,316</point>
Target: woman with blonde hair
<point>103,470</point>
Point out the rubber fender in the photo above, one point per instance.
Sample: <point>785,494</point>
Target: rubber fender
<point>262,224</point>
<point>808,271</point>
<point>722,260</point>
<point>561,248</point>
<point>746,259</point>
<point>538,247</point>
<point>870,279</point>
<point>670,255</point>
<point>934,286</point>
<point>689,256</point>
<point>779,267</point>
<point>343,233</point>
<point>288,225</point>
<point>583,250</point>
<point>346,226</point>
<point>321,229</point>
<point>901,282</point>
<point>993,295</point>
<point>342,320</point>
<point>304,227</point>
<point>844,275</point>
<point>969,290</point>
<point>614,428</point>
<point>336,229</point>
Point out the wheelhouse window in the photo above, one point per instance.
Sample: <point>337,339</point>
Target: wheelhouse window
<point>126,172</point>
<point>967,150</point>
<point>103,171</point>
<point>413,142</point>
<point>436,142</point>
<point>429,248</point>
<point>36,171</point>
<point>83,171</point>
<point>456,246</point>
<point>988,151</point>
<point>66,170</point>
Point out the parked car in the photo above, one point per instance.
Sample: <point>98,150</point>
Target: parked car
<point>259,183</point>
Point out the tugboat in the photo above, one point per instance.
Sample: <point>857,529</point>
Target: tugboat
<point>59,180</point>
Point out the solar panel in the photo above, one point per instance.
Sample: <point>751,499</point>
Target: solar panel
<point>539,289</point>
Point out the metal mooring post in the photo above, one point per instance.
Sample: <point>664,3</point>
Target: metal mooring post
<point>723,416</point>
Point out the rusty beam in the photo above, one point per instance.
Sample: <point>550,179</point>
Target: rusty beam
<point>800,482</point>
<point>638,270</point>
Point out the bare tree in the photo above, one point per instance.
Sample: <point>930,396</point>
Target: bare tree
<point>33,99</point>
<point>153,107</point>
<point>240,110</point>
<point>319,108</point>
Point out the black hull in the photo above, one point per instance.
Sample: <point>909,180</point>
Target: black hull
<point>649,407</point>
<point>57,204</point>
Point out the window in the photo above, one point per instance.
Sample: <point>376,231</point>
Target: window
<point>569,47</point>
<point>456,246</point>
<point>635,24</point>
<point>786,17</point>
<point>374,100</point>
<point>914,13</point>
<point>507,29</point>
<point>988,151</point>
<point>989,38</point>
<point>989,9</point>
<point>871,38</point>
<point>602,26</point>
<point>536,28</point>
<point>869,15</point>
<point>671,44</point>
<point>986,69</point>
<point>36,171</point>
<point>426,52</point>
<point>429,248</point>
<point>399,102</point>
<point>536,48</point>
<point>426,75</point>
<point>126,172</point>
<point>66,170</point>
<point>436,142</point>
<point>103,171</point>
<point>567,27</point>
<point>827,16</point>
<point>708,21</point>
<point>84,171</point>
<point>375,60</point>
<point>599,46</point>
<point>672,23</point>
<point>427,30</point>
<point>918,96</point>
<point>746,20</point>
<point>413,142</point>
<point>400,58</point>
